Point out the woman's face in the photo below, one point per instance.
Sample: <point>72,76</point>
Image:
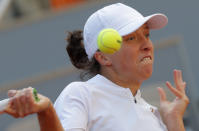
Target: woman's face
<point>134,61</point>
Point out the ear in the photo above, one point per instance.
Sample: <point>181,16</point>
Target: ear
<point>102,58</point>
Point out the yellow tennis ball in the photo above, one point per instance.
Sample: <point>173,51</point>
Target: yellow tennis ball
<point>109,41</point>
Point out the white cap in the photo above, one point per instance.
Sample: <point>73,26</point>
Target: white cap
<point>120,17</point>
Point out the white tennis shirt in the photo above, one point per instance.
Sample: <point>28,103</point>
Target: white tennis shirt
<point>100,105</point>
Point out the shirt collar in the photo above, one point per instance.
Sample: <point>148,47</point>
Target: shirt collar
<point>104,81</point>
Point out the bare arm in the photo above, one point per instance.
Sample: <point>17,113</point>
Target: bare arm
<point>48,120</point>
<point>172,112</point>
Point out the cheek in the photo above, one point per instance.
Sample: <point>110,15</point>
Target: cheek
<point>128,60</point>
<point>126,57</point>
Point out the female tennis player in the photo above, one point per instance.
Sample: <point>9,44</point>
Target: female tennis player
<point>111,99</point>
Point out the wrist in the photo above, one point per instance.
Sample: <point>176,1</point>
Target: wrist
<point>168,116</point>
<point>172,120</point>
<point>48,107</point>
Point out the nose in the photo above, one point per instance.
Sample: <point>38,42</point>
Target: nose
<point>147,45</point>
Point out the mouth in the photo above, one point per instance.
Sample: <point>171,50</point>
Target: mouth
<point>146,60</point>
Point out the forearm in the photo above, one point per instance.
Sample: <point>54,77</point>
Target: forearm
<point>48,120</point>
<point>175,124</point>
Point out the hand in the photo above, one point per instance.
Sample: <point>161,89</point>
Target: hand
<point>22,103</point>
<point>174,110</point>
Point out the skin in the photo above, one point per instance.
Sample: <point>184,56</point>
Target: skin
<point>173,112</point>
<point>127,69</point>
<point>22,104</point>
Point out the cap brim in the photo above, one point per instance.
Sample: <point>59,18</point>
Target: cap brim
<point>155,21</point>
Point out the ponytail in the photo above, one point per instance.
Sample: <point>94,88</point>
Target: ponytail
<point>78,56</point>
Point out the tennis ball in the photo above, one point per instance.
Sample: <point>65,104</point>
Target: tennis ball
<point>109,41</point>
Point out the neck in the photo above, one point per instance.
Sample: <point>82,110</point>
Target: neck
<point>122,81</point>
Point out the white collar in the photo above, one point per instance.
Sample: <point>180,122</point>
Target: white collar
<point>103,80</point>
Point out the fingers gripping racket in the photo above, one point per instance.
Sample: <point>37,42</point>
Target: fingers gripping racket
<point>4,103</point>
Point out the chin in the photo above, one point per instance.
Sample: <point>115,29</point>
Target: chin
<point>146,74</point>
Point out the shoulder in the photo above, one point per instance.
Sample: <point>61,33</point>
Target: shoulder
<point>74,88</point>
<point>73,103</point>
<point>75,92</point>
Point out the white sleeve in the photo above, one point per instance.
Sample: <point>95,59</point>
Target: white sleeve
<point>72,109</point>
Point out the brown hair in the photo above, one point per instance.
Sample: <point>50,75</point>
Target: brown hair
<point>76,51</point>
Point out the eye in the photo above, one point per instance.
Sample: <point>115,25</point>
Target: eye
<point>130,38</point>
<point>147,35</point>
